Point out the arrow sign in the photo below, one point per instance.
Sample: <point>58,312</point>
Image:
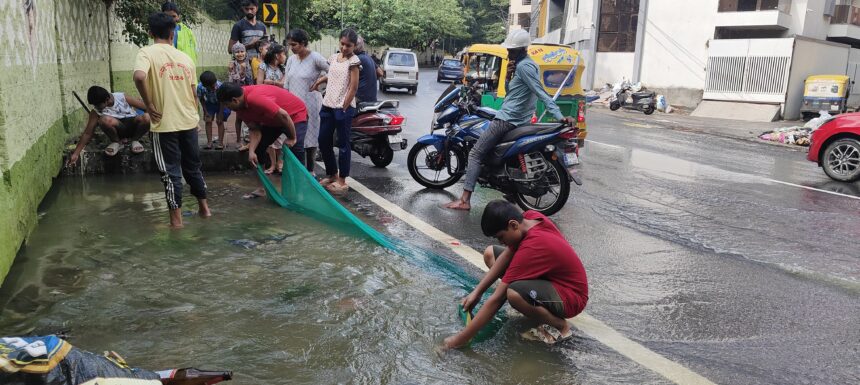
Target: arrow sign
<point>270,13</point>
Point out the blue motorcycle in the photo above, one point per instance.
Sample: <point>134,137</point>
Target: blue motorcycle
<point>532,165</point>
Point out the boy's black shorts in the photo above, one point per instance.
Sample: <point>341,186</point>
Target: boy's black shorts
<point>537,292</point>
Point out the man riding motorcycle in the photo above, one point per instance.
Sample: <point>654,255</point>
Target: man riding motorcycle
<point>523,88</point>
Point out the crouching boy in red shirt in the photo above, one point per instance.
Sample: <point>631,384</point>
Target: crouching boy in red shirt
<point>542,277</point>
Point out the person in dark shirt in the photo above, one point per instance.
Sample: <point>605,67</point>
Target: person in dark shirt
<point>248,31</point>
<point>366,75</point>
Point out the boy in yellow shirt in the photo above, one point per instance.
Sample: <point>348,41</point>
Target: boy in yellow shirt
<point>166,79</point>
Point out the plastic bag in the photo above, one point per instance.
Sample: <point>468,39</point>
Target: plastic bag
<point>814,123</point>
<point>661,103</point>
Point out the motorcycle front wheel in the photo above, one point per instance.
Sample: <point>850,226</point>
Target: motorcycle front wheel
<point>434,169</point>
<point>614,106</point>
<point>556,196</point>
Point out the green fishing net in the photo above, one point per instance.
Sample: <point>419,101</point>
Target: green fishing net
<point>301,193</point>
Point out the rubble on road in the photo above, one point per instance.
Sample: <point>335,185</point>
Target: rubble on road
<point>797,135</point>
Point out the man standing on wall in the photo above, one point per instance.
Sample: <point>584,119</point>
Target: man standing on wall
<point>248,31</point>
<point>183,37</point>
<point>166,80</point>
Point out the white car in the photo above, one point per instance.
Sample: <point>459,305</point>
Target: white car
<point>400,67</point>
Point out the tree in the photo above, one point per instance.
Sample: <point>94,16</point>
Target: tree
<point>134,14</point>
<point>401,23</point>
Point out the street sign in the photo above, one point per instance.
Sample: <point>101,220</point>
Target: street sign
<point>270,13</point>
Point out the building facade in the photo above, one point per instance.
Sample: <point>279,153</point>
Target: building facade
<point>756,51</point>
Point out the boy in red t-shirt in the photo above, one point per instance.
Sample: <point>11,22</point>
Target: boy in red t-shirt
<point>541,275</point>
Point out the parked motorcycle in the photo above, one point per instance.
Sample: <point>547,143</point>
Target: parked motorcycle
<point>645,101</point>
<point>531,165</point>
<point>376,130</point>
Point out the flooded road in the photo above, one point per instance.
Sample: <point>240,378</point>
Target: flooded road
<point>718,254</point>
<point>275,296</point>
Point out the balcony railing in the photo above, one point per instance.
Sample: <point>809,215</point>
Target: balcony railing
<point>846,14</point>
<point>754,5</point>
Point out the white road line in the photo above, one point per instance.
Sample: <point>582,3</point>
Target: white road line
<point>767,179</point>
<point>589,325</point>
<point>604,144</point>
<point>813,189</point>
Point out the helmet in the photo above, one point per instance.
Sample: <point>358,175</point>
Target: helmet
<point>518,38</point>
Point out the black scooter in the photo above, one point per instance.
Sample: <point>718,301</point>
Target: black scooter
<point>645,101</point>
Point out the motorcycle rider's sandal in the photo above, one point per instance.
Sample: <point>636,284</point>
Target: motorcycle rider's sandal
<point>326,181</point>
<point>337,188</point>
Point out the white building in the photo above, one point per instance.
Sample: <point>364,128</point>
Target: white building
<point>520,14</point>
<point>751,51</point>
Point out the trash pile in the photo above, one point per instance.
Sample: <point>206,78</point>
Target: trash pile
<point>797,135</point>
<point>604,95</point>
<point>51,360</point>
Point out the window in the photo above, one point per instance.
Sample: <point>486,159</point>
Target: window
<point>618,19</point>
<point>527,2</point>
<point>401,59</point>
<point>754,5</point>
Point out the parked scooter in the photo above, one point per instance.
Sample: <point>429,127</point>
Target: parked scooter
<point>645,101</point>
<point>376,131</point>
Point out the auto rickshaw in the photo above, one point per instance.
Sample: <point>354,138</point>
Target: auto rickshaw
<point>825,93</point>
<point>489,62</point>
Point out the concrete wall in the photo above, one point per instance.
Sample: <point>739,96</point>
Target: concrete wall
<point>675,49</point>
<point>806,61</point>
<point>611,67</point>
<point>47,52</point>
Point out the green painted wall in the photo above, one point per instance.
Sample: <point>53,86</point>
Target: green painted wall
<point>46,53</point>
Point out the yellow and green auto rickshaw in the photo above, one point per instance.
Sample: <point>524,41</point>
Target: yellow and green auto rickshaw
<point>825,93</point>
<point>489,62</point>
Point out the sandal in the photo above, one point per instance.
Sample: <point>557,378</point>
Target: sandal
<point>219,146</point>
<point>337,188</point>
<point>136,147</point>
<point>208,146</point>
<point>326,181</point>
<point>112,149</point>
<point>243,147</point>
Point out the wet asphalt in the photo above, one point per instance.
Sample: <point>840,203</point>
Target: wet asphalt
<point>691,246</point>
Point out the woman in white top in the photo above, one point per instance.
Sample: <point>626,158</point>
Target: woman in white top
<point>338,110</point>
<point>303,70</point>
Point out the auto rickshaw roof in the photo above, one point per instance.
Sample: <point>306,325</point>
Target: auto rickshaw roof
<point>832,78</point>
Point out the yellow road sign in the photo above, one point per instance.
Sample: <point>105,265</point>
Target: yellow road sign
<point>270,13</point>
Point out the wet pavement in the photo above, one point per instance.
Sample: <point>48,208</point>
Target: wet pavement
<point>693,249</point>
<point>693,246</point>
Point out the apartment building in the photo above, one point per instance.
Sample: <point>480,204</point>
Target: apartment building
<point>746,51</point>
<point>520,14</point>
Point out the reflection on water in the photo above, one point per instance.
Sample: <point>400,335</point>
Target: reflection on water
<point>270,294</point>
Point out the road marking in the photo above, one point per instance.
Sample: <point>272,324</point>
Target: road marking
<point>589,325</point>
<point>766,179</point>
<point>813,189</point>
<point>604,144</point>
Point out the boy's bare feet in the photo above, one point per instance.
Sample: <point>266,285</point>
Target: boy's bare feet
<point>176,219</point>
<point>204,208</point>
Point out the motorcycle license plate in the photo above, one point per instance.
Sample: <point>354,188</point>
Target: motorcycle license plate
<point>570,159</point>
<point>834,107</point>
<point>395,139</point>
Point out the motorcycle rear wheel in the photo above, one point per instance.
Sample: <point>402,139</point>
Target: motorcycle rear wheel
<point>558,179</point>
<point>425,157</point>
<point>383,158</point>
<point>648,110</point>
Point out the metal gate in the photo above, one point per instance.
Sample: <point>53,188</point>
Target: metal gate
<point>748,70</point>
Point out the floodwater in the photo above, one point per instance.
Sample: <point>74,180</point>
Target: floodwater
<point>270,294</point>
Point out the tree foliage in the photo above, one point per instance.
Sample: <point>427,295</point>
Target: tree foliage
<point>402,23</point>
<point>134,14</point>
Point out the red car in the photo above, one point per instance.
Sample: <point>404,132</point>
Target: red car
<point>835,146</point>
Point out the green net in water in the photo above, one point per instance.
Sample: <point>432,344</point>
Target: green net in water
<point>300,192</point>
